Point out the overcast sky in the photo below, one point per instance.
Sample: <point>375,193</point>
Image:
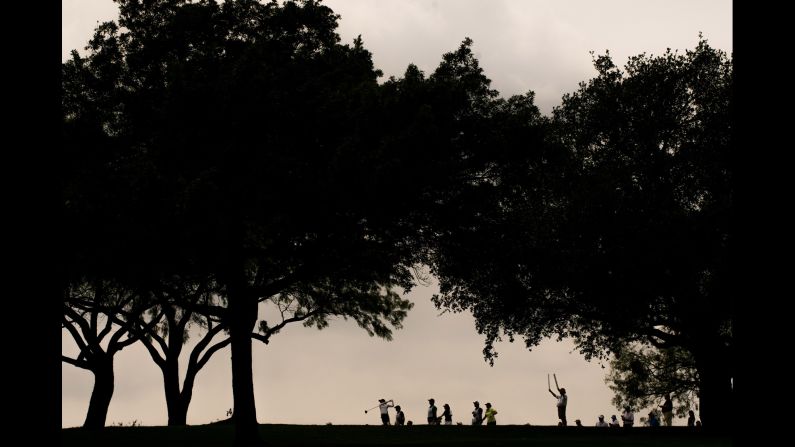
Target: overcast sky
<point>308,377</point>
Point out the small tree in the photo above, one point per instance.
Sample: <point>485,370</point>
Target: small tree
<point>183,305</point>
<point>643,376</point>
<point>89,312</point>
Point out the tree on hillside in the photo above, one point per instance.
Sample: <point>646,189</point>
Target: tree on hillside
<point>241,143</point>
<point>88,316</point>
<point>625,237</point>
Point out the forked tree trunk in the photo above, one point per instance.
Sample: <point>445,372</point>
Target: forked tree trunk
<point>177,408</point>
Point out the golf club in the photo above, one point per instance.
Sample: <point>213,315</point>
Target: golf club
<point>390,400</point>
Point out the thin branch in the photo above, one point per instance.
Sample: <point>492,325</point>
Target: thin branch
<point>208,337</point>
<point>85,328</point>
<point>153,352</point>
<point>220,345</point>
<point>105,330</point>
<point>266,337</point>
<point>76,362</point>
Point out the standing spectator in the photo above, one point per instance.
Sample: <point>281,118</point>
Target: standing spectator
<point>432,418</point>
<point>490,413</point>
<point>667,411</point>
<point>601,422</point>
<point>691,419</point>
<point>400,418</point>
<point>628,417</point>
<point>614,421</point>
<point>653,421</point>
<point>447,415</point>
<point>477,414</point>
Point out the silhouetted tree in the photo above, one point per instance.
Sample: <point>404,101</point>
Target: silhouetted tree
<point>642,376</point>
<point>176,301</point>
<point>625,236</point>
<point>241,143</point>
<point>88,316</point>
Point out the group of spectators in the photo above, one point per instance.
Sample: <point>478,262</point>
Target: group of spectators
<point>479,416</point>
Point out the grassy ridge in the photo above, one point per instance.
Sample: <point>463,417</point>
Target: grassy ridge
<point>362,435</point>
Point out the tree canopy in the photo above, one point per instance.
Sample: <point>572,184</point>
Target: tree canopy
<point>625,236</point>
<point>241,144</point>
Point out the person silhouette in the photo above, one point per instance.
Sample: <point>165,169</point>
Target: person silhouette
<point>384,407</point>
<point>614,421</point>
<point>653,421</point>
<point>400,418</point>
<point>490,413</point>
<point>432,418</point>
<point>447,415</point>
<point>562,402</point>
<point>628,417</point>
<point>578,423</point>
<point>667,411</point>
<point>477,414</point>
<point>691,419</point>
<point>601,422</point>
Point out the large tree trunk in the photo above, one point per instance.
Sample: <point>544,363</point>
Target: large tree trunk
<point>101,394</point>
<point>242,318</point>
<point>716,397</point>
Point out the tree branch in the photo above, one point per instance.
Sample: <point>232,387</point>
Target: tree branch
<point>105,330</point>
<point>220,345</point>
<point>194,355</point>
<point>76,336</point>
<point>84,364</point>
<point>85,329</point>
<point>266,337</point>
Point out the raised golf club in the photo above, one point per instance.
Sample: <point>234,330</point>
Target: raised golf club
<point>390,400</point>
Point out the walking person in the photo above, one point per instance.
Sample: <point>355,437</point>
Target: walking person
<point>447,415</point>
<point>477,414</point>
<point>384,407</point>
<point>400,418</point>
<point>490,413</point>
<point>432,418</point>
<point>667,411</point>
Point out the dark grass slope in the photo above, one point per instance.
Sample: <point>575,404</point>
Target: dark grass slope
<point>359,435</point>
